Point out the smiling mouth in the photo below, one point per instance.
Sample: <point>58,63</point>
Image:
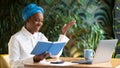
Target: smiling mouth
<point>37,29</point>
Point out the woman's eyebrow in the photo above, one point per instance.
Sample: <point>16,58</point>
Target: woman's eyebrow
<point>38,18</point>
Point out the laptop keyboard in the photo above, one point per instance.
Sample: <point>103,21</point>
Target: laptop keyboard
<point>83,62</point>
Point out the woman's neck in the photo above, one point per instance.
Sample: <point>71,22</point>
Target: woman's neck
<point>29,29</point>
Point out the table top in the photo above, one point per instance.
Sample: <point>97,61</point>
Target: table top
<point>115,62</point>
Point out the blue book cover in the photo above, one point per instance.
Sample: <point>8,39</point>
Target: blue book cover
<point>51,47</point>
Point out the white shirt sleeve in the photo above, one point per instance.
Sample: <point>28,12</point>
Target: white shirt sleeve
<point>14,53</point>
<point>63,38</point>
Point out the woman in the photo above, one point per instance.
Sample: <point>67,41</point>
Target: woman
<point>22,43</point>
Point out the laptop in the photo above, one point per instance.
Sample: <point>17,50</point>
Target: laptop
<point>103,52</point>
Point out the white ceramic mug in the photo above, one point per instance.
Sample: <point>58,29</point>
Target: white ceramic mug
<point>88,54</point>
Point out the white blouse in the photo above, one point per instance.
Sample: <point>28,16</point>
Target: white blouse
<point>22,43</point>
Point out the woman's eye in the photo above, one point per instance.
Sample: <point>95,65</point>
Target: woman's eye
<point>36,20</point>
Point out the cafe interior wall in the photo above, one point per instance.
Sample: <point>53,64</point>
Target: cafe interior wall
<point>57,13</point>
<point>116,20</point>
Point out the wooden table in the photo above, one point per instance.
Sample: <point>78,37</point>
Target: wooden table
<point>112,64</point>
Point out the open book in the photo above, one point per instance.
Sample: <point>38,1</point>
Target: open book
<point>51,47</point>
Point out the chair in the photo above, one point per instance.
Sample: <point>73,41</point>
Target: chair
<point>4,61</point>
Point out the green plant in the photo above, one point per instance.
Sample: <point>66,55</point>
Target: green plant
<point>86,35</point>
<point>88,30</point>
<point>57,13</point>
<point>66,11</point>
<point>89,35</point>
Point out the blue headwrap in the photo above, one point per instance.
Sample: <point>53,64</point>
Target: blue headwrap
<point>31,9</point>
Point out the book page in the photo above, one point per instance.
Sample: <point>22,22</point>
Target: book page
<point>56,48</point>
<point>41,47</point>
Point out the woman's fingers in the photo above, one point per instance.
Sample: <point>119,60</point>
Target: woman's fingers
<point>66,27</point>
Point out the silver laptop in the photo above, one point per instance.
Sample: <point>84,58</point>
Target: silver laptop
<point>103,52</point>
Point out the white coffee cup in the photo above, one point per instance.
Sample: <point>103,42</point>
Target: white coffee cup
<point>88,54</point>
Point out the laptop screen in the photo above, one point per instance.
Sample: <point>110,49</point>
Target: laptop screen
<point>104,51</point>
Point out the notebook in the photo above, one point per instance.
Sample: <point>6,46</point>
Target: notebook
<point>103,52</point>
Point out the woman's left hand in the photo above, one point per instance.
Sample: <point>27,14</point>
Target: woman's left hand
<point>66,27</point>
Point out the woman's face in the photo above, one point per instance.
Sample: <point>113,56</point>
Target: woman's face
<point>35,22</point>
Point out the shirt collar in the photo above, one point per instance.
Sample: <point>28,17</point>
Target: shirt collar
<point>26,32</point>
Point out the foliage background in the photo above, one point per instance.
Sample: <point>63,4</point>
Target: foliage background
<point>57,13</point>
